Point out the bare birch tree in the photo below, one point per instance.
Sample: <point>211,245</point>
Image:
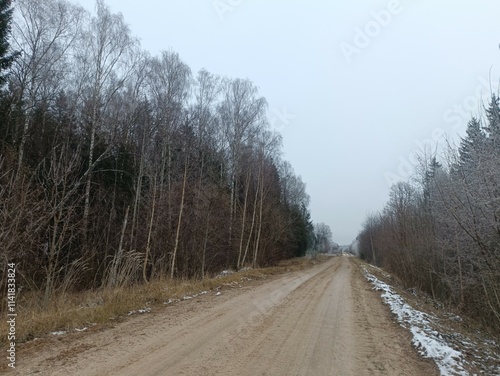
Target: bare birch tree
<point>43,33</point>
<point>106,59</point>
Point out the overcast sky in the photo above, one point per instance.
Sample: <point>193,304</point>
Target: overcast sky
<point>355,88</point>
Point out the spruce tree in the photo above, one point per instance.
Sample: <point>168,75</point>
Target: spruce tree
<point>6,56</point>
<point>493,118</point>
<point>6,59</point>
<point>473,143</point>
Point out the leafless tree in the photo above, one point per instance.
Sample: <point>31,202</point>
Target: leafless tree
<point>106,58</point>
<point>44,33</point>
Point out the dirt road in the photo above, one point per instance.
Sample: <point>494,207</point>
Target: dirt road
<point>325,320</point>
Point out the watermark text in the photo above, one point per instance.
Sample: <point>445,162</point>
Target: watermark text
<point>11,315</point>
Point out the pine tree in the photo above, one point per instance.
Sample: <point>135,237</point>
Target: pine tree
<point>6,56</point>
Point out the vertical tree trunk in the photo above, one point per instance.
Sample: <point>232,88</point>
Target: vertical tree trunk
<point>138,192</point>
<point>86,209</point>
<point>118,257</point>
<point>148,243</point>
<point>112,216</point>
<point>243,222</point>
<point>462,299</point>
<point>24,138</point>
<point>231,210</point>
<point>251,226</point>
<point>179,221</point>
<point>205,242</point>
<point>261,204</point>
<point>374,258</point>
<point>50,275</point>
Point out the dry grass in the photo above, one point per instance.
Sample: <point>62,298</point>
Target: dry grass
<point>84,309</point>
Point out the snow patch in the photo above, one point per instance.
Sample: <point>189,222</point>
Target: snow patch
<point>186,297</point>
<point>225,273</point>
<point>170,301</point>
<point>429,342</point>
<point>142,310</point>
<point>200,293</point>
<point>435,348</point>
<point>58,333</point>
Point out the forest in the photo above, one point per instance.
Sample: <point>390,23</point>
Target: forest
<point>118,167</point>
<point>440,232</point>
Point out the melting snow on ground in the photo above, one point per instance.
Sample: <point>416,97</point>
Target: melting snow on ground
<point>225,273</point>
<point>429,342</point>
<point>142,310</point>
<point>187,297</point>
<point>58,333</point>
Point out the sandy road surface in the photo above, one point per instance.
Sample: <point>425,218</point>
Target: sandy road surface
<point>325,320</point>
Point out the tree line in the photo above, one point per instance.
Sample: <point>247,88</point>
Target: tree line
<point>440,232</point>
<point>119,167</point>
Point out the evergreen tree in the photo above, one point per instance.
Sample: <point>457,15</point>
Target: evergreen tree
<point>430,171</point>
<point>473,143</point>
<point>493,117</point>
<point>6,56</point>
<point>6,59</point>
<point>301,230</point>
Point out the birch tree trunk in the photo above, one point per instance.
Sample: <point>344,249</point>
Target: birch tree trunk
<point>150,231</point>
<point>179,220</point>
